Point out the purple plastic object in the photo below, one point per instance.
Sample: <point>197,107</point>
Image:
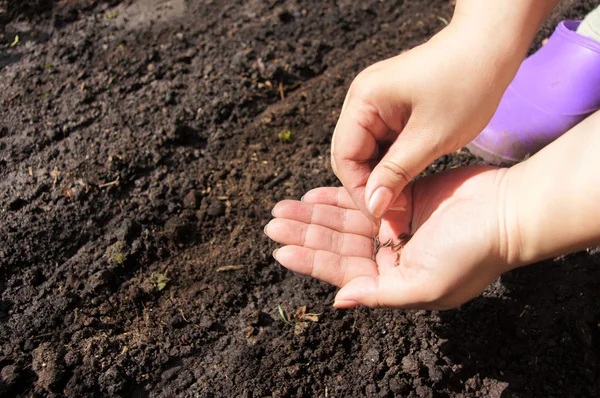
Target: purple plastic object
<point>554,89</point>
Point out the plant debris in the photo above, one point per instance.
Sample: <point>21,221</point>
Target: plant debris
<point>302,319</point>
<point>302,315</point>
<point>226,268</point>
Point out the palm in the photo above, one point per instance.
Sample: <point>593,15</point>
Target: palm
<point>452,219</point>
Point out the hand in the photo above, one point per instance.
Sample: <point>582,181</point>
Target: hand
<point>458,246</point>
<point>402,113</point>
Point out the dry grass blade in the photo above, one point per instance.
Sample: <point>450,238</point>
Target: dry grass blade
<point>226,268</point>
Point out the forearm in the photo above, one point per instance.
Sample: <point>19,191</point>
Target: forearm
<point>553,198</point>
<point>505,29</point>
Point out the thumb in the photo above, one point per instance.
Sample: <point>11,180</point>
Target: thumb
<point>359,291</point>
<point>380,291</point>
<point>408,156</point>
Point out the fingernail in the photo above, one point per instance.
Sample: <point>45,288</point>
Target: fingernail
<point>275,253</point>
<point>265,229</point>
<point>380,201</point>
<point>302,198</point>
<point>345,304</point>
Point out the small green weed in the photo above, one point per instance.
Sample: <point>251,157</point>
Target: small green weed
<point>120,258</point>
<point>283,316</point>
<point>159,281</point>
<point>285,136</point>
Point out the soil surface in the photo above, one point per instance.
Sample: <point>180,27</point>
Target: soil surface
<point>139,161</point>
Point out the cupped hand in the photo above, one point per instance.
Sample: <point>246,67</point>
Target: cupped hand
<point>458,244</point>
<point>402,113</point>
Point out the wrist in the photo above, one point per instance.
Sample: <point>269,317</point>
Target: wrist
<point>550,200</point>
<point>527,239</point>
<point>513,246</point>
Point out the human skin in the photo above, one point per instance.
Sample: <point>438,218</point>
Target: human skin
<point>402,113</point>
<point>469,226</point>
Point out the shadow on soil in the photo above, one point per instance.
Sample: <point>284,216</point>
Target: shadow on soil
<point>548,324</point>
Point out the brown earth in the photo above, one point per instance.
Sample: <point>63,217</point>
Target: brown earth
<point>139,154</point>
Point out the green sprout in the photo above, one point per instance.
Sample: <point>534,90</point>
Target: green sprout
<point>285,136</point>
<point>159,281</point>
<point>283,316</point>
<point>14,43</point>
<point>45,95</point>
<point>119,259</point>
<point>48,65</point>
<point>112,15</point>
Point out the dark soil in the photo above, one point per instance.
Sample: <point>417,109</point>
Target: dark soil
<point>139,154</point>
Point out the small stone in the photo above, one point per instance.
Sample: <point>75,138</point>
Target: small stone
<point>216,208</point>
<point>177,228</point>
<point>372,356</point>
<point>128,230</point>
<point>191,200</point>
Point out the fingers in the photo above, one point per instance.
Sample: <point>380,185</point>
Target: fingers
<point>329,216</point>
<point>389,290</point>
<point>324,265</point>
<point>290,232</point>
<point>338,197</point>
<point>355,139</point>
<point>407,157</point>
<point>406,285</point>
